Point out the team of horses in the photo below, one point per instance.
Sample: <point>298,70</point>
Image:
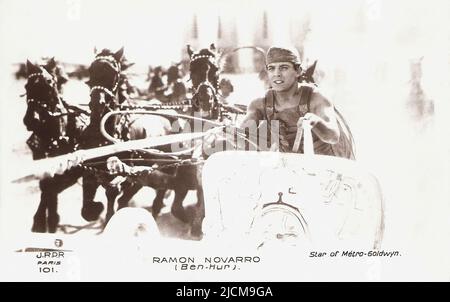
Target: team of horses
<point>59,128</point>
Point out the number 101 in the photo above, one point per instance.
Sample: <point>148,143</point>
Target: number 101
<point>46,269</point>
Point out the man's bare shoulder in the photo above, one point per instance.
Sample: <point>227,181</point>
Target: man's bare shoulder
<point>255,112</point>
<point>318,98</point>
<point>257,104</point>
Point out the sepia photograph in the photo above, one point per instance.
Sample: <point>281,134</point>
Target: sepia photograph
<point>225,141</point>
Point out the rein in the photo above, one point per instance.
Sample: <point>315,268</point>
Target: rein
<point>169,163</point>
<point>169,105</point>
<point>240,132</point>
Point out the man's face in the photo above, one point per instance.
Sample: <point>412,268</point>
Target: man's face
<point>282,75</point>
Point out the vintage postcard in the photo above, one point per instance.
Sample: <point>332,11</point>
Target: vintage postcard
<point>236,140</point>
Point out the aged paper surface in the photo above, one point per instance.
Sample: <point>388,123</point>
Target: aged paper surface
<point>384,64</point>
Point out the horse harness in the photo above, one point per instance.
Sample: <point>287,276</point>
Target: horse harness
<point>113,93</point>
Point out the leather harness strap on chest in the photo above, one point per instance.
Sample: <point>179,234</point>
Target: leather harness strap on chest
<point>343,148</point>
<point>303,107</point>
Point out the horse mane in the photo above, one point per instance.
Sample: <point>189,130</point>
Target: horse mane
<point>104,52</point>
<point>118,56</point>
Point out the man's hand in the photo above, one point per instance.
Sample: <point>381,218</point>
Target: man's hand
<point>115,165</point>
<point>62,165</point>
<point>310,118</point>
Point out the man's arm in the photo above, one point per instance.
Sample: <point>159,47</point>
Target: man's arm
<point>322,118</point>
<point>145,175</point>
<point>254,113</point>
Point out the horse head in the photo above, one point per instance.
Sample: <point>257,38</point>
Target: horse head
<point>176,87</point>
<point>42,94</point>
<point>41,86</point>
<point>204,72</point>
<point>104,76</point>
<point>173,73</point>
<point>46,115</point>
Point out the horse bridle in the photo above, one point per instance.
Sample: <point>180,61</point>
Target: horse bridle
<point>211,59</point>
<point>213,109</point>
<point>206,82</point>
<point>41,74</point>
<point>115,65</point>
<point>35,102</point>
<point>56,112</point>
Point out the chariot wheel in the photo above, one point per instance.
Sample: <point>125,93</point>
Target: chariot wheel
<point>132,223</point>
<point>279,223</point>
